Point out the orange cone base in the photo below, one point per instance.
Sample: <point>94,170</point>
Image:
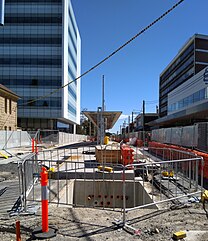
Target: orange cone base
<point>38,234</point>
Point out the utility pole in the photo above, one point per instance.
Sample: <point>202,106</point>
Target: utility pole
<point>128,125</point>
<point>90,132</point>
<point>102,124</point>
<point>103,94</point>
<point>143,121</point>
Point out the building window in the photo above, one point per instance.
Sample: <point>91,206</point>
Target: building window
<point>191,99</point>
<point>206,93</point>
<point>5,128</point>
<point>10,106</point>
<point>5,105</point>
<point>10,128</point>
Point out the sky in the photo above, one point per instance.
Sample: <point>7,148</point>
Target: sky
<point>132,74</point>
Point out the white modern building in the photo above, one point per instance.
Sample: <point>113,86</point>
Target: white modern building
<point>40,54</point>
<point>191,97</point>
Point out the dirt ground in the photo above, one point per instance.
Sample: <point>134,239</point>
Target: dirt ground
<point>96,224</point>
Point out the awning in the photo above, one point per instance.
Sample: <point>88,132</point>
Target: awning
<point>110,117</point>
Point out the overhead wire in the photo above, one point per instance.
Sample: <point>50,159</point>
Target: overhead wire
<point>110,55</point>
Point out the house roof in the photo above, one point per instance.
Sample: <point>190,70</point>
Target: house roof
<point>7,91</point>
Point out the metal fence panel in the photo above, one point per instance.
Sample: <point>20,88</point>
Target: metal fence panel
<point>80,177</point>
<point>176,135</point>
<point>202,136</point>
<point>189,136</point>
<point>12,139</point>
<point>167,135</point>
<point>66,138</point>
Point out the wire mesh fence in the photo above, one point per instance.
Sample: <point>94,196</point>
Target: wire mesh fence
<point>93,177</point>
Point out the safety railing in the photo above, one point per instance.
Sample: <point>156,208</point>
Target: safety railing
<point>178,181</point>
<point>81,178</point>
<point>27,168</point>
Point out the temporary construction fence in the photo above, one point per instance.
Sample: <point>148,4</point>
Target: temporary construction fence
<point>195,136</point>
<point>78,179</point>
<point>204,155</point>
<point>56,137</point>
<point>13,139</point>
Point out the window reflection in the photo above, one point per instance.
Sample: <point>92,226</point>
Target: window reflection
<point>187,101</point>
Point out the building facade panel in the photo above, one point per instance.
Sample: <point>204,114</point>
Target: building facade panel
<point>191,93</point>
<point>191,59</point>
<point>34,39</point>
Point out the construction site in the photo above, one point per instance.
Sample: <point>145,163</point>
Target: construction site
<point>64,172</point>
<point>75,188</point>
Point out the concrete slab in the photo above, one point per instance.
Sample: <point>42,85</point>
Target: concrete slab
<point>92,174</point>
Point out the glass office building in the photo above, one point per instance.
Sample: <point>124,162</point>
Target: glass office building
<point>184,86</point>
<point>39,54</point>
<point>190,60</point>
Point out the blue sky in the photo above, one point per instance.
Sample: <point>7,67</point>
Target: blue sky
<point>132,75</point>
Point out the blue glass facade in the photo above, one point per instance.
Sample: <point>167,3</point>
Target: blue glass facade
<point>32,45</point>
<point>189,100</point>
<point>190,94</point>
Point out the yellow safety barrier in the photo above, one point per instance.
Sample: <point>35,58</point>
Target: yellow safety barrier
<point>5,156</point>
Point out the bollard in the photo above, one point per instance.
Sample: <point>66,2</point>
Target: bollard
<point>44,231</point>
<point>18,237</point>
<point>33,145</point>
<point>44,199</point>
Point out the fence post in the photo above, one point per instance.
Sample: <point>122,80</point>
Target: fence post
<point>124,196</point>
<point>36,146</point>
<point>18,236</point>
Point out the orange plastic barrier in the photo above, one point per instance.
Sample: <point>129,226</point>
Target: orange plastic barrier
<point>176,156</point>
<point>127,155</point>
<point>44,199</point>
